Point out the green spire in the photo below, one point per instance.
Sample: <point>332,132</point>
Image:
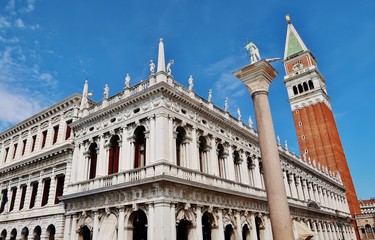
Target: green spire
<point>294,43</point>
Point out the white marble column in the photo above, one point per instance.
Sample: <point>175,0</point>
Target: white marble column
<point>199,231</point>
<point>286,183</point>
<point>299,188</point>
<point>194,159</point>
<point>73,235</point>
<point>256,171</point>
<point>230,164</point>
<point>173,220</point>
<point>293,188</point>
<point>67,226</point>
<point>253,229</point>
<point>220,223</point>
<point>238,223</point>
<point>95,225</point>
<point>120,223</point>
<point>150,222</point>
<point>161,128</point>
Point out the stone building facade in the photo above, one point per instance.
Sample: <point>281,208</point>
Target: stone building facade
<point>154,161</point>
<point>366,220</point>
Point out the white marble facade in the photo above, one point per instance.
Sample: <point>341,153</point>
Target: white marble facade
<point>155,161</point>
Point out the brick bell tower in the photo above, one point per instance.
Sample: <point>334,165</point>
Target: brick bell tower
<point>318,137</point>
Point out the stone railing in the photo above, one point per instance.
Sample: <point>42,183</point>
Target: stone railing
<point>164,169</point>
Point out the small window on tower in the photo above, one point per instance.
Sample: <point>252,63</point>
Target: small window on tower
<point>297,111</point>
<point>306,151</point>
<point>303,137</point>
<point>299,123</point>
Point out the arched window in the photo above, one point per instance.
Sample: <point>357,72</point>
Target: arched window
<point>183,228</point>
<point>51,230</point>
<point>3,234</point>
<point>300,89</point>
<point>368,228</point>
<point>139,225</point>
<point>180,154</point>
<point>258,225</point>
<point>24,233</point>
<point>245,232</point>
<point>237,165</point>
<point>207,220</point>
<point>85,233</point>
<point>114,151</point>
<point>295,91</point>
<point>203,156</point>
<point>311,84</point>
<point>13,234</point>
<point>305,87</point>
<point>228,232</point>
<point>139,147</point>
<point>37,232</point>
<point>221,160</point>
<point>93,160</point>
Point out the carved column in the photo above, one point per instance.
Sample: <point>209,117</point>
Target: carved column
<point>162,129</point>
<point>151,216</point>
<point>52,188</point>
<point>120,223</point>
<point>194,150</point>
<point>293,187</point>
<point>199,232</point>
<point>67,226</point>
<point>173,221</point>
<point>95,225</point>
<point>257,78</point>
<point>238,223</point>
<point>220,223</point>
<point>73,235</point>
<point>253,229</point>
<point>305,191</point>
<point>299,188</point>
<point>230,164</point>
<point>244,170</point>
<point>286,183</point>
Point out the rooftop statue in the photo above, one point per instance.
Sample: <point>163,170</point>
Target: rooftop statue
<point>253,51</point>
<point>191,83</point>
<point>209,95</point>
<point>106,91</point>
<point>152,67</point>
<point>127,80</point>
<point>169,65</point>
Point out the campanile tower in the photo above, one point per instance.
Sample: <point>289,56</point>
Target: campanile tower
<point>318,137</point>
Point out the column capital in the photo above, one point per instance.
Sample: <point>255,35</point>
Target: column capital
<point>257,76</point>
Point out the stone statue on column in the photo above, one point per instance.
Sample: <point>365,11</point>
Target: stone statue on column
<point>253,51</point>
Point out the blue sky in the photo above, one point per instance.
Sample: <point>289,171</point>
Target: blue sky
<point>49,47</point>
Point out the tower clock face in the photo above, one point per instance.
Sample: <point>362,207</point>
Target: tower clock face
<point>297,65</point>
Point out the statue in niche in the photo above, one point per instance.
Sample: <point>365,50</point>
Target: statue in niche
<point>127,80</point>
<point>152,67</point>
<point>253,51</point>
<point>169,65</point>
<point>191,83</point>
<point>106,91</point>
<point>297,66</point>
<point>209,95</point>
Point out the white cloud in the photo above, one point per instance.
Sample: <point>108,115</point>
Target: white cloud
<point>11,6</point>
<point>4,23</point>
<point>19,23</point>
<point>16,107</point>
<point>30,6</point>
